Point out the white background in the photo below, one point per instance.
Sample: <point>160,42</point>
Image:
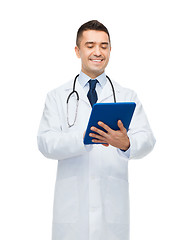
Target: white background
<point>149,54</point>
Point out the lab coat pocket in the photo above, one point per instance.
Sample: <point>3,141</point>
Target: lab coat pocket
<point>66,201</point>
<point>117,200</point>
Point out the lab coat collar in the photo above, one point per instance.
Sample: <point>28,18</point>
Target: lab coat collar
<point>106,91</point>
<point>83,79</point>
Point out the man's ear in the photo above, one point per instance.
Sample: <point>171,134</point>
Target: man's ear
<point>77,51</point>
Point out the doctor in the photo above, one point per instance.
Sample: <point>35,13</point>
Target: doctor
<point>91,199</point>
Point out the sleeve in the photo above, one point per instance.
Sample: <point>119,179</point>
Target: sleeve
<point>53,141</point>
<point>142,140</point>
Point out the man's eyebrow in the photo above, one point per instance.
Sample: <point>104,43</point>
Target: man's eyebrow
<point>89,43</point>
<point>106,43</point>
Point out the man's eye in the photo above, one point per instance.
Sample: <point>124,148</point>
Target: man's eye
<point>104,46</point>
<point>89,46</point>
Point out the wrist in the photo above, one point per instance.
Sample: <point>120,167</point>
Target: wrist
<point>126,146</point>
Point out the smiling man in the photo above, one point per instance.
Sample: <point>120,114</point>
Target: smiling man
<point>92,191</point>
<point>93,47</point>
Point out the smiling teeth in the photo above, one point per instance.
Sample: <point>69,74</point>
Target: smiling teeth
<point>97,60</point>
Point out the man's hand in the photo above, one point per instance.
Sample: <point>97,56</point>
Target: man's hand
<point>117,138</point>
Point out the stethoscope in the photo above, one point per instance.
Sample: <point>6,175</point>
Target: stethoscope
<point>77,96</point>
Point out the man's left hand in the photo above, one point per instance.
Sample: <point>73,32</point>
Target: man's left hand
<point>117,138</point>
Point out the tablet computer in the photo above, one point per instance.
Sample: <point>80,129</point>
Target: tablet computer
<point>109,113</point>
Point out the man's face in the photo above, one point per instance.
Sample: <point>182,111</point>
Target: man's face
<point>94,51</point>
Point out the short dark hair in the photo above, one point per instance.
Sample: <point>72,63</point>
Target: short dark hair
<point>91,25</point>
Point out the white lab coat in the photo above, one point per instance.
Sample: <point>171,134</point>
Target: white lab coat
<point>91,199</point>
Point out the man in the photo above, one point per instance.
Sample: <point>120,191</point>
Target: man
<point>91,195</point>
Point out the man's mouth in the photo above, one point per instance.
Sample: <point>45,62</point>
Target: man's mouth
<point>96,60</point>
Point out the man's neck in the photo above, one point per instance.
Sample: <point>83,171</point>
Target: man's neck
<point>92,75</point>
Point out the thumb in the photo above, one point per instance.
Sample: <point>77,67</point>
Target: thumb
<point>121,127</point>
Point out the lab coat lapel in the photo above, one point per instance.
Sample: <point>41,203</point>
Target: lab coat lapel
<point>82,93</point>
<point>105,93</point>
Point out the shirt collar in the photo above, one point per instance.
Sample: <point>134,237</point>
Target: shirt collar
<point>83,79</point>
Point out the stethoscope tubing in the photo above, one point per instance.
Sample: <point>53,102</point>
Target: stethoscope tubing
<point>77,96</point>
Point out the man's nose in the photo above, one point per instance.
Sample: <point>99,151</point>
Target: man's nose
<point>97,51</point>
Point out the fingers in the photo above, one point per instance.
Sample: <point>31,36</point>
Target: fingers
<point>97,136</point>
<point>105,144</point>
<point>100,132</point>
<point>99,141</point>
<point>106,127</point>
